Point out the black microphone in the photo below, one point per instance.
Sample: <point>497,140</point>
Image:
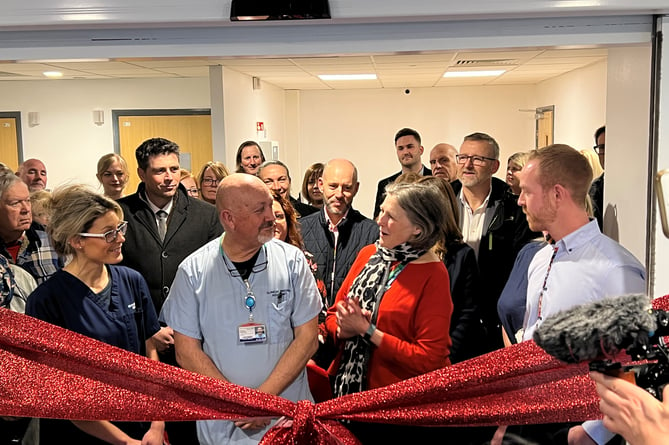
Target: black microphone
<point>597,332</point>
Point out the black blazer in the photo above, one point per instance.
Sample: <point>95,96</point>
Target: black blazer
<point>192,223</point>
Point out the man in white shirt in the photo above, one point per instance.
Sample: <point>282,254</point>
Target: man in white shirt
<point>582,265</point>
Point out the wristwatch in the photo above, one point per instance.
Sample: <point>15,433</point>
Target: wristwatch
<point>369,332</point>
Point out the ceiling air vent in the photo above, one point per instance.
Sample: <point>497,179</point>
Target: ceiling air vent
<point>486,62</point>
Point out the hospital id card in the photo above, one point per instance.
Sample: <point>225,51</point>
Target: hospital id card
<point>252,333</point>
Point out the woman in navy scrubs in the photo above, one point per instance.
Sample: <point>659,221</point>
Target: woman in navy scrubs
<point>95,298</point>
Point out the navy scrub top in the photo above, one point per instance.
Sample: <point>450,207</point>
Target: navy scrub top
<point>66,301</point>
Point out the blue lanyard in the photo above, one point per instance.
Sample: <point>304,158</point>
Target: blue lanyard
<point>249,299</point>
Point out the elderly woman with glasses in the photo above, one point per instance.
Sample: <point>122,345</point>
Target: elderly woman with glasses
<point>210,176</point>
<point>94,297</point>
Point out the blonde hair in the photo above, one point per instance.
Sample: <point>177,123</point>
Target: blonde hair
<point>519,158</point>
<point>41,203</point>
<point>74,210</point>
<point>217,168</point>
<point>593,160</point>
<point>107,160</point>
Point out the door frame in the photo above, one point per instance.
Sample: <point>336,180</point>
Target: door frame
<point>19,135</point>
<point>152,112</point>
<point>539,112</point>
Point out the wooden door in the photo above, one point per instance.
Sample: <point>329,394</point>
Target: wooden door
<point>191,132</point>
<point>9,143</point>
<point>544,128</point>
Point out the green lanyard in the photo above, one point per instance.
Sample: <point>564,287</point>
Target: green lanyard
<point>395,271</point>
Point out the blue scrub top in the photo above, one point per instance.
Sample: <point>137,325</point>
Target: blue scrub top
<point>66,301</point>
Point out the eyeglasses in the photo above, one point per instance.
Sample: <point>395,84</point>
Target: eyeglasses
<point>193,191</point>
<point>478,161</point>
<point>110,236</point>
<point>599,148</point>
<point>209,182</point>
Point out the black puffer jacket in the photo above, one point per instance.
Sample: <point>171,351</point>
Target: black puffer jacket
<point>355,232</point>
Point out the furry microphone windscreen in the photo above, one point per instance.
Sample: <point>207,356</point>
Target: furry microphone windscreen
<point>596,330</point>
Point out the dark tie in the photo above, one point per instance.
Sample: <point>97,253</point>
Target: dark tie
<point>162,223</point>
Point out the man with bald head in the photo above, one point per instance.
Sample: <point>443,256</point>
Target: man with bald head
<point>33,173</point>
<point>335,235</point>
<point>443,163</point>
<point>244,308</point>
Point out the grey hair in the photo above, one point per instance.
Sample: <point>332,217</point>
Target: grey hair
<point>424,206</point>
<point>7,179</point>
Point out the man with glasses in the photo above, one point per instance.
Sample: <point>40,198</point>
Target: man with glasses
<point>597,188</point>
<point>244,308</point>
<point>276,176</point>
<point>491,223</point>
<point>23,242</point>
<point>165,225</point>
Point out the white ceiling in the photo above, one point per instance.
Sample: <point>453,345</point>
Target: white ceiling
<point>393,71</point>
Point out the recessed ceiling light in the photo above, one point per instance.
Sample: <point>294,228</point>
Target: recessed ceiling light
<point>61,60</point>
<point>347,76</point>
<point>53,74</point>
<point>491,73</point>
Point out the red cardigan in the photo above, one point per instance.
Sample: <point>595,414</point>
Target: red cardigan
<point>414,316</point>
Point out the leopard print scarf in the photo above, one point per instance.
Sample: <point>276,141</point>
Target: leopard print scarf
<point>369,287</point>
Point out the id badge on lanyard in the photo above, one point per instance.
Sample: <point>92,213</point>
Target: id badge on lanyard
<point>252,331</point>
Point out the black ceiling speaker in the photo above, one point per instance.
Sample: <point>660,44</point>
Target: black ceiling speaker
<point>279,10</point>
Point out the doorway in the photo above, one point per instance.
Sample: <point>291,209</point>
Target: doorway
<point>11,148</point>
<point>190,129</point>
<point>545,117</point>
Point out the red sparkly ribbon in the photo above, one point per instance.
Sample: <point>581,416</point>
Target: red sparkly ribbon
<point>47,371</point>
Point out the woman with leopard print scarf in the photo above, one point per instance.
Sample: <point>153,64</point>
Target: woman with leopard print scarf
<point>392,314</point>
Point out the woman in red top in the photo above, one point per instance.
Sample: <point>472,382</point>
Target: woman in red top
<point>392,314</point>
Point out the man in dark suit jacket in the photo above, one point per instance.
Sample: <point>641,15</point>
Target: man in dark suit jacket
<point>165,225</point>
<point>409,151</point>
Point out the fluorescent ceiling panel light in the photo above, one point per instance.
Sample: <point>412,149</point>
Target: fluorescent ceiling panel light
<point>347,76</point>
<point>60,60</point>
<point>491,73</point>
<point>53,74</point>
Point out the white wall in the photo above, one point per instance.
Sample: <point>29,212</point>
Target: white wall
<point>580,104</point>
<point>66,139</point>
<point>360,125</point>
<point>244,106</point>
<point>310,126</point>
<point>627,113</point>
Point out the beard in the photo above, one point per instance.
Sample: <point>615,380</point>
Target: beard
<point>339,210</point>
<point>538,221</point>
<point>266,233</point>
